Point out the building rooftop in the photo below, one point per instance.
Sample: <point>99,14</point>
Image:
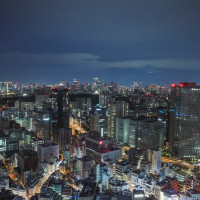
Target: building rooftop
<point>96,136</point>
<point>116,182</point>
<point>169,192</point>
<point>162,183</point>
<point>89,189</point>
<point>192,191</point>
<point>123,163</point>
<point>48,144</point>
<point>86,158</point>
<point>8,195</point>
<point>27,153</point>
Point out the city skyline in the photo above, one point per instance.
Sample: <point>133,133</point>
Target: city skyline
<point>124,42</point>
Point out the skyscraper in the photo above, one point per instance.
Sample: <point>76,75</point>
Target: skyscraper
<point>94,122</point>
<point>117,109</point>
<point>140,132</point>
<point>184,121</point>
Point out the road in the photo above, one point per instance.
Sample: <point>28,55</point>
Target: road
<point>13,177</point>
<point>74,126</point>
<point>178,162</point>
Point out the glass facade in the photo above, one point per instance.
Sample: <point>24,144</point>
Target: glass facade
<point>187,123</point>
<point>8,144</point>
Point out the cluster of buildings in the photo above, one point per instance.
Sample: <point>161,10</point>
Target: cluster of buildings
<point>99,141</point>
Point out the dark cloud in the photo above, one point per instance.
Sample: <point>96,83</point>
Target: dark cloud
<point>86,62</point>
<point>128,34</point>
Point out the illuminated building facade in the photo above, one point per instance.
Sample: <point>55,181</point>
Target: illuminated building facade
<point>117,109</point>
<point>126,131</point>
<point>47,150</point>
<point>184,134</point>
<point>101,148</point>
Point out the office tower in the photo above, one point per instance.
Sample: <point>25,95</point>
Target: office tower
<point>84,103</point>
<point>7,143</point>
<point>42,126</point>
<point>139,132</point>
<point>40,100</point>
<point>62,103</point>
<point>94,85</point>
<point>125,131</point>
<point>27,160</point>
<point>117,109</point>
<point>137,85</point>
<point>62,133</point>
<point>184,119</point>
<point>62,137</point>
<point>96,80</point>
<point>113,87</point>
<point>6,88</point>
<point>150,133</point>
<point>94,122</point>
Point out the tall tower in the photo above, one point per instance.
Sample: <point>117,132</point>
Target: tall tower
<point>62,113</point>
<point>184,121</point>
<point>116,109</point>
<point>62,133</point>
<point>94,122</point>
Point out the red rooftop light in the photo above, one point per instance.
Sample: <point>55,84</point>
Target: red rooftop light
<point>101,142</point>
<point>181,85</point>
<point>173,85</point>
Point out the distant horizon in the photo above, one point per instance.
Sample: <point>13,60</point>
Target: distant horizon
<point>91,82</point>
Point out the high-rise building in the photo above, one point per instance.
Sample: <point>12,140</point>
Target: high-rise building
<point>62,136</point>
<point>27,159</point>
<point>117,109</point>
<point>6,88</point>
<point>126,131</point>
<point>84,103</point>
<point>150,133</point>
<point>40,100</point>
<point>62,113</point>
<point>7,143</point>
<point>94,122</point>
<point>139,132</point>
<point>184,121</point>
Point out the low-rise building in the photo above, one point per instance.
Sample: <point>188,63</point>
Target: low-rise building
<point>47,150</point>
<point>85,166</point>
<point>102,148</point>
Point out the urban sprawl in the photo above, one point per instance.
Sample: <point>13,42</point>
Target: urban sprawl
<point>99,141</point>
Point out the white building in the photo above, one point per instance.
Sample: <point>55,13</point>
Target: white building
<point>117,185</point>
<point>154,156</point>
<point>169,195</point>
<point>140,178</point>
<point>47,150</point>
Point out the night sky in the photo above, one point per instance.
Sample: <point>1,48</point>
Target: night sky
<point>46,41</point>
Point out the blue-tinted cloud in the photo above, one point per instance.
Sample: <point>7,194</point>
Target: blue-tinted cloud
<point>84,38</point>
<point>86,62</point>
